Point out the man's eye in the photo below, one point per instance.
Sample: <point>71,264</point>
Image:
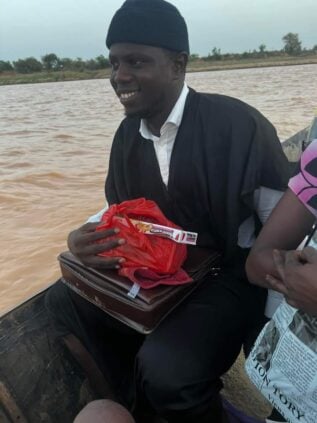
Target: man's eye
<point>136,63</point>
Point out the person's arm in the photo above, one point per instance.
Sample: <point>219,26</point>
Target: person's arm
<point>85,242</point>
<point>297,272</point>
<point>287,226</point>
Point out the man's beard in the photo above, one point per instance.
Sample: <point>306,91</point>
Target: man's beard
<point>146,113</point>
<point>141,114</point>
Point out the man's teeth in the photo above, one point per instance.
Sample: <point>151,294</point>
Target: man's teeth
<point>125,96</point>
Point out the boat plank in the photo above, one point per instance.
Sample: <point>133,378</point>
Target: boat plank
<point>36,370</point>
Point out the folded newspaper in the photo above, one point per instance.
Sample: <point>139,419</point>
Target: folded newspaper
<point>283,364</point>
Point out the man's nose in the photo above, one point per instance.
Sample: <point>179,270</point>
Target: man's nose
<point>121,74</point>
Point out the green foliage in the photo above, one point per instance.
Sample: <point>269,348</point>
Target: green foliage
<point>51,62</point>
<point>5,66</point>
<point>246,55</point>
<point>193,57</point>
<point>102,62</point>
<point>292,44</point>
<point>91,64</point>
<point>262,48</point>
<point>28,65</point>
<point>216,53</point>
<point>66,63</point>
<point>78,64</point>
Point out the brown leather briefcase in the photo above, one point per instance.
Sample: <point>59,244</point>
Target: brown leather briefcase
<point>109,291</point>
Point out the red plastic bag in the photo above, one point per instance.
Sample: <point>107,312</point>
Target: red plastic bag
<point>159,254</point>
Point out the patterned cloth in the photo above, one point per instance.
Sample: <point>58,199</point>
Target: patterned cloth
<point>304,183</point>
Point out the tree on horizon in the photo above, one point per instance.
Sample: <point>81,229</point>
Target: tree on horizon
<point>292,44</point>
<point>51,62</point>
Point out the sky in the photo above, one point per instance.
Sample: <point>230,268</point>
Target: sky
<point>77,28</point>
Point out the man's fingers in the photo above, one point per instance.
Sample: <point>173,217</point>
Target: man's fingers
<point>100,247</point>
<point>97,235</point>
<point>276,284</point>
<point>87,244</point>
<point>90,226</point>
<point>293,258</point>
<point>279,261</point>
<point>106,262</point>
<point>309,255</point>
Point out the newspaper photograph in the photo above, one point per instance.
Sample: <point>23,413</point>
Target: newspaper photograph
<point>283,364</point>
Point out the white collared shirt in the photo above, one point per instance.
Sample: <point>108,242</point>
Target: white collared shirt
<point>163,145</point>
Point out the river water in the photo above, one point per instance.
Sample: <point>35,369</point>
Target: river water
<point>55,140</point>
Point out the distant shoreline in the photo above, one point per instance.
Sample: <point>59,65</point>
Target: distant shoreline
<point>11,78</point>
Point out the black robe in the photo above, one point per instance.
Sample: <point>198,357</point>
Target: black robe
<point>224,150</point>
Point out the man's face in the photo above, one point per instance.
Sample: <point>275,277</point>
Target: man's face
<point>143,78</point>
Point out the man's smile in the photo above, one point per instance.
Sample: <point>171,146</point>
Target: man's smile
<point>126,97</point>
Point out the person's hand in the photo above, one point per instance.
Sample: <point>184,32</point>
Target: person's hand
<point>82,243</point>
<point>298,278</point>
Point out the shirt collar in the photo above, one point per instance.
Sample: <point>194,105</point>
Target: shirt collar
<point>175,117</point>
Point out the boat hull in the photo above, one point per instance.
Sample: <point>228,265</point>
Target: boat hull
<point>39,380</point>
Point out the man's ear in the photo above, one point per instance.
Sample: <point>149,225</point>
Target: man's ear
<point>180,62</point>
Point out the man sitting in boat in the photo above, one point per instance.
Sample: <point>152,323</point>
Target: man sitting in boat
<point>215,166</point>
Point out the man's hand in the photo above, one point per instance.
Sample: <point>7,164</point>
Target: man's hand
<point>82,243</point>
<point>298,278</point>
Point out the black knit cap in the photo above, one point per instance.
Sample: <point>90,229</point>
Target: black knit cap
<point>150,22</point>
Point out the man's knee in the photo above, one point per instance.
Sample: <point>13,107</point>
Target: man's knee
<point>173,381</point>
<point>103,411</point>
<point>153,379</point>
